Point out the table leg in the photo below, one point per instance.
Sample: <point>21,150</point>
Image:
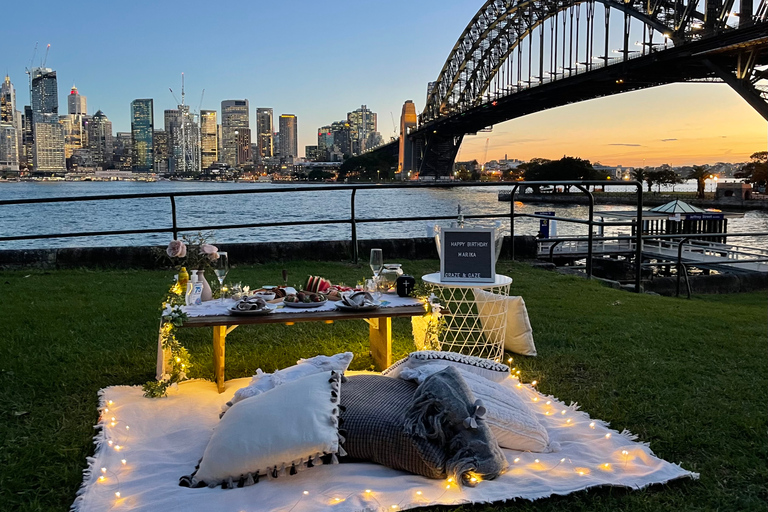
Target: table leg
<point>380,335</point>
<point>219,339</point>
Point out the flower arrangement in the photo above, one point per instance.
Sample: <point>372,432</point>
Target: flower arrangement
<point>176,371</point>
<point>192,251</point>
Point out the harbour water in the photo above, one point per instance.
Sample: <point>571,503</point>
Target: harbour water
<point>317,204</point>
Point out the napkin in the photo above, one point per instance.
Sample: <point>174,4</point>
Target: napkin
<point>251,304</point>
<point>358,300</point>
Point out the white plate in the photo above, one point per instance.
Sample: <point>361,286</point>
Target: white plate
<point>254,312</point>
<point>343,307</point>
<point>303,304</point>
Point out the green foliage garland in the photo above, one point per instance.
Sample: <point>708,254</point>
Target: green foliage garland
<point>172,318</point>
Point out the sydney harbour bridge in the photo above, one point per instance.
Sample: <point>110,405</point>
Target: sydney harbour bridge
<point>517,57</point>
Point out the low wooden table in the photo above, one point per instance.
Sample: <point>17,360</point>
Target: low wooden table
<point>379,330</point>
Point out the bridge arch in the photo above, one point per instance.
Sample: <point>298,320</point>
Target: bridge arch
<point>502,26</point>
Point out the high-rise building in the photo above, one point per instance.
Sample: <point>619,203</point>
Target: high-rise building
<point>123,152</point>
<point>48,152</point>
<point>264,128</point>
<point>363,126</point>
<point>243,145</point>
<point>28,135</point>
<point>289,141</point>
<point>183,146</point>
<point>324,142</point>
<point>311,153</point>
<point>234,119</point>
<point>10,129</point>
<point>209,143</point>
<point>160,143</point>
<point>74,133</point>
<point>9,149</point>
<point>7,102</point>
<point>342,137</point>
<point>76,103</point>
<point>100,140</point>
<point>45,91</point>
<point>142,130</point>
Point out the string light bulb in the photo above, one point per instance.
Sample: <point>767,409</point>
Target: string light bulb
<point>592,424</point>
<point>305,493</point>
<point>123,462</point>
<point>534,383</point>
<point>608,435</point>
<point>418,493</point>
<point>117,494</point>
<point>368,491</point>
<point>517,459</point>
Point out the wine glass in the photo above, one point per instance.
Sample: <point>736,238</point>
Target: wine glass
<point>377,262</point>
<point>221,267</point>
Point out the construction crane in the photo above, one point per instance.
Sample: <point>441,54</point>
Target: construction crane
<point>45,59</point>
<point>394,126</point>
<point>485,154</point>
<point>28,70</point>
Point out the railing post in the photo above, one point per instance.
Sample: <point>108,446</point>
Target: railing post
<point>512,220</point>
<point>680,266</point>
<point>353,225</point>
<point>639,237</point>
<point>173,215</point>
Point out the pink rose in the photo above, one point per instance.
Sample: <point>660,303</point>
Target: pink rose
<point>211,251</point>
<point>176,249</point>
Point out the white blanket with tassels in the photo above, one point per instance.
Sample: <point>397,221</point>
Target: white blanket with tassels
<point>150,443</point>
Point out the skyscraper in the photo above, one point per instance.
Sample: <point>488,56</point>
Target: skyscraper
<point>363,127</point>
<point>289,142</point>
<point>76,103</point>
<point>7,102</point>
<point>142,130</point>
<point>45,91</point>
<point>160,143</point>
<point>234,119</point>
<point>183,144</point>
<point>209,145</point>
<point>9,128</point>
<point>100,139</point>
<point>48,133</point>
<point>324,142</point>
<point>264,128</point>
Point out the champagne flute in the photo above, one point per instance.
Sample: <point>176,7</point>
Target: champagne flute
<point>377,262</point>
<point>221,267</point>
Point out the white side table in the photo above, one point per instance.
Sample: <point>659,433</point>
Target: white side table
<point>466,331</point>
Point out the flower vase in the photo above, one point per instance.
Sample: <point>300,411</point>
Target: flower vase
<point>207,293</point>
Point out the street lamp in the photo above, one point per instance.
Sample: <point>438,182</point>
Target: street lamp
<point>377,176</point>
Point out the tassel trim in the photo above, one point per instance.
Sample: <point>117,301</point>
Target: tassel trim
<point>286,468</point>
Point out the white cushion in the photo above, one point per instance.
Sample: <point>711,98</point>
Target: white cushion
<point>511,419</point>
<point>491,370</point>
<point>518,335</point>
<point>262,382</point>
<point>273,432</point>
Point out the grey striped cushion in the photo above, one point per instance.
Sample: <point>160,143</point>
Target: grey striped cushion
<point>373,424</point>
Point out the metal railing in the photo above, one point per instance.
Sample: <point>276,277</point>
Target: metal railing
<point>634,242</point>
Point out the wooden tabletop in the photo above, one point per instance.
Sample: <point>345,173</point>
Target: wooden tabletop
<point>303,316</point>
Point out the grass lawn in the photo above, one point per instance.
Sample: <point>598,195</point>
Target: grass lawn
<point>688,376</point>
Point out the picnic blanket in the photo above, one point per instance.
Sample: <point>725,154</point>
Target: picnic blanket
<point>144,445</point>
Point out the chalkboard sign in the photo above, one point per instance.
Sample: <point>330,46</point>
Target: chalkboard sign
<point>468,255</point>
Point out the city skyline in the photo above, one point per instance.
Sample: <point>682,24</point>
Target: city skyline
<point>677,124</point>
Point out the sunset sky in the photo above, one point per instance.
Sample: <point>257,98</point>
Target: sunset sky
<point>321,60</point>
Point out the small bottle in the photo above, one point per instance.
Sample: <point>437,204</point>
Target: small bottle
<point>188,298</point>
<point>183,278</point>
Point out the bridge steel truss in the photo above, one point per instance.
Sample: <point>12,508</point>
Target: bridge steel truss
<point>511,47</point>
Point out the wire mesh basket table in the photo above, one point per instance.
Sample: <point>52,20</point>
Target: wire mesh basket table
<point>472,327</point>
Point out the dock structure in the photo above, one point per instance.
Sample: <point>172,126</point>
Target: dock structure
<point>702,254</point>
<point>686,235</point>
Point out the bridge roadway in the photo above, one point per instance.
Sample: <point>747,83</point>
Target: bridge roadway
<point>709,255</point>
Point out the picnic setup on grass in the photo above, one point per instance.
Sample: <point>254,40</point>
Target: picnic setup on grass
<point>451,423</point>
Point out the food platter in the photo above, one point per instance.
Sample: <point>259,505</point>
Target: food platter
<point>303,304</point>
<point>252,312</point>
<point>368,307</point>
